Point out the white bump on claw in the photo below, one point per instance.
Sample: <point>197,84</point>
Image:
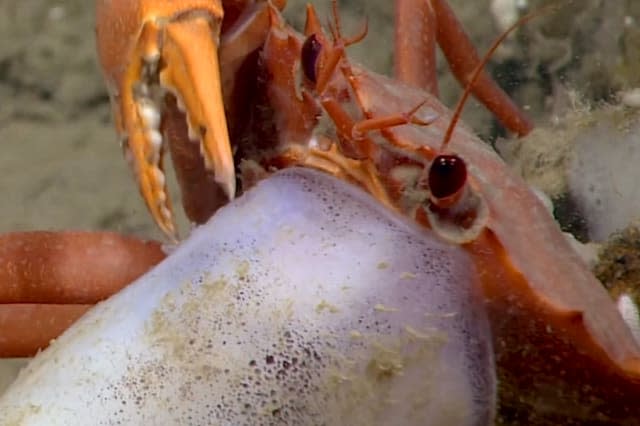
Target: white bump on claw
<point>159,176</point>
<point>166,213</point>
<point>155,138</point>
<point>162,198</point>
<point>160,180</point>
<point>150,114</point>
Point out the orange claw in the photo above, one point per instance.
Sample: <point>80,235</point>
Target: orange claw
<point>149,49</point>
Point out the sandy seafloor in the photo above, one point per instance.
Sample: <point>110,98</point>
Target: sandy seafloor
<point>61,166</point>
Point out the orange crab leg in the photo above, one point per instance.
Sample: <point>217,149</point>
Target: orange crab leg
<point>66,272</point>
<point>416,23</point>
<point>28,328</point>
<point>70,267</point>
<point>415,45</point>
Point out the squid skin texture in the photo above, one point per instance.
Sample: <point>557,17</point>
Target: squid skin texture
<point>303,301</point>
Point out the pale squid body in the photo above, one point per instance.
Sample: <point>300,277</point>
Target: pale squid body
<point>303,302</point>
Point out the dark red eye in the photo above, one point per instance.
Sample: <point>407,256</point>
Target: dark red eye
<point>309,57</point>
<point>447,176</point>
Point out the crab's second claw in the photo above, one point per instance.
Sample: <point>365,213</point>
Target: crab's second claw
<point>173,57</point>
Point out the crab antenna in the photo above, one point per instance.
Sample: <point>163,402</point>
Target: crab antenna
<point>480,67</point>
<point>336,16</point>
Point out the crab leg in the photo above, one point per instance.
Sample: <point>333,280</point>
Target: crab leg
<point>417,22</point>
<point>415,44</point>
<point>30,327</point>
<point>49,279</point>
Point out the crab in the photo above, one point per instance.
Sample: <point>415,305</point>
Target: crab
<point>553,325</point>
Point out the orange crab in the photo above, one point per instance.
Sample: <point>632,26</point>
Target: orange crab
<point>174,68</point>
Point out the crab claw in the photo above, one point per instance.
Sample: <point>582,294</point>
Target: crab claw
<point>153,49</point>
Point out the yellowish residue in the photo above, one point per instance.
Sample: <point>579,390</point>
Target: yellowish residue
<point>213,288</point>
<point>408,276</point>
<point>382,265</point>
<point>386,363</point>
<point>285,312</point>
<point>23,414</point>
<point>355,334</point>
<point>382,308</point>
<point>326,306</point>
<point>242,270</point>
<point>364,385</point>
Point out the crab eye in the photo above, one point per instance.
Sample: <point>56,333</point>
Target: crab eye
<point>310,52</point>
<point>447,176</point>
<point>455,210</point>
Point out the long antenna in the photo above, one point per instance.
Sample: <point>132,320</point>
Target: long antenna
<point>480,67</point>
